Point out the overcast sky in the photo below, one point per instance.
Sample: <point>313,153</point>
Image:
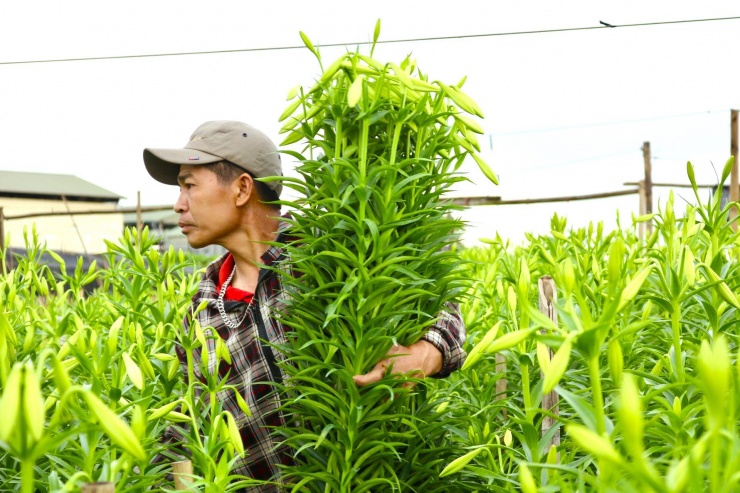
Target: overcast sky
<point>566,113</point>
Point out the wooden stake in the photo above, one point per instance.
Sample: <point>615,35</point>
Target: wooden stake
<point>641,226</point>
<point>6,259</point>
<point>648,185</point>
<point>182,471</point>
<point>734,192</point>
<point>548,297</point>
<point>2,234</point>
<point>502,382</point>
<point>139,222</point>
<point>98,488</point>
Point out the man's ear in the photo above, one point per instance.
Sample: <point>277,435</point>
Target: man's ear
<point>245,185</point>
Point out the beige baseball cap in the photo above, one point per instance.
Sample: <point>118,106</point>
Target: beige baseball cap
<point>236,142</point>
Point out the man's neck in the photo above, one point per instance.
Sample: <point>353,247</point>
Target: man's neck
<point>247,246</point>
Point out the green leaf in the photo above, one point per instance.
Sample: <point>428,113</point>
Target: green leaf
<point>376,35</point>
<point>557,367</point>
<point>355,91</point>
<point>509,340</point>
<point>458,464</point>
<point>584,410</point>
<point>727,169</point>
<point>116,429</point>
<point>690,173</point>
<point>11,402</point>
<point>309,44</point>
<point>133,371</point>
<point>593,443</point>
<point>33,403</point>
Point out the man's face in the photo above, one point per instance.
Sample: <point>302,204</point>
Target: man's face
<point>207,208</point>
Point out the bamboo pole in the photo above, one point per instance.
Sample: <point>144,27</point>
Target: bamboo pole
<point>571,198</point>
<point>122,210</point>
<point>734,192</point>
<point>548,296</point>
<point>468,201</point>
<point>98,488</point>
<point>648,185</point>
<point>671,185</point>
<point>182,472</point>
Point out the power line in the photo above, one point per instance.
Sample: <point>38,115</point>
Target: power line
<point>391,41</point>
<point>602,123</point>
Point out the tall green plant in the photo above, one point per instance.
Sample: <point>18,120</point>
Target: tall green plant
<point>88,381</point>
<point>643,360</point>
<point>375,258</point>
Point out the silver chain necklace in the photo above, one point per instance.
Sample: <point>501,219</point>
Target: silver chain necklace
<point>220,303</point>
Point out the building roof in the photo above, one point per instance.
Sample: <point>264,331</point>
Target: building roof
<point>167,217</point>
<point>48,185</point>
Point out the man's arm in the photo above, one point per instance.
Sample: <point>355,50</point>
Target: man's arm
<point>438,353</point>
<point>448,335</point>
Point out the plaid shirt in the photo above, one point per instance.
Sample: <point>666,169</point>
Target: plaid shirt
<point>254,363</point>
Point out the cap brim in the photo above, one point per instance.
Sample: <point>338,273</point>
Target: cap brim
<point>164,164</point>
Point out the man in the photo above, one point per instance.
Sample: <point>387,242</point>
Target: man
<point>222,202</point>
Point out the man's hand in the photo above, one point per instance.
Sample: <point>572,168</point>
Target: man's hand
<point>421,359</point>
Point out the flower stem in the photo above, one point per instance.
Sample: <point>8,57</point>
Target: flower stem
<point>526,394</point>
<point>676,329</point>
<point>27,479</point>
<point>598,397</point>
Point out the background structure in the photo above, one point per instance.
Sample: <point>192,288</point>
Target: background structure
<point>568,100</point>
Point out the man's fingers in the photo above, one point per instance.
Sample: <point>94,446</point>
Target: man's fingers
<point>374,375</point>
<point>394,356</point>
<point>368,378</point>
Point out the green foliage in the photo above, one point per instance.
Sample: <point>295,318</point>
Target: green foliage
<point>648,390</point>
<point>645,358</point>
<point>644,355</point>
<point>96,348</point>
<point>375,262</point>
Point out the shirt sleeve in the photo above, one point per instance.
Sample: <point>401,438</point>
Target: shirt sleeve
<point>448,335</point>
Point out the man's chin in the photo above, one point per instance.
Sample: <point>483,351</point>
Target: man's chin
<point>195,242</point>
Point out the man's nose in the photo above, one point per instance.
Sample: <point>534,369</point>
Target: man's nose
<point>181,204</point>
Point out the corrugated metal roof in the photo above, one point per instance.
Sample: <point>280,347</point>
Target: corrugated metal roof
<point>23,183</point>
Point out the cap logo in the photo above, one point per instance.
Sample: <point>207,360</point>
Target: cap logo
<point>193,158</point>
